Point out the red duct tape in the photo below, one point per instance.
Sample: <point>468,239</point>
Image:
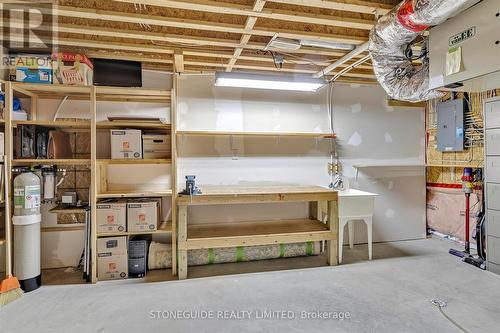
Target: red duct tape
<point>404,17</point>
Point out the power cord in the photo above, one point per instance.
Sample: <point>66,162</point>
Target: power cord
<point>440,305</point>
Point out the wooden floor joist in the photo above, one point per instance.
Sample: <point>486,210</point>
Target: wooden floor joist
<point>210,35</point>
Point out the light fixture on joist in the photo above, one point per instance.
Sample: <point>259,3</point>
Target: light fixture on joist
<point>266,81</point>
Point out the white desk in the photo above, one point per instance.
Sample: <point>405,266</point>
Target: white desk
<point>355,205</point>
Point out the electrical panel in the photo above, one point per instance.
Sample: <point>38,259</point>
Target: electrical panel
<point>450,125</point>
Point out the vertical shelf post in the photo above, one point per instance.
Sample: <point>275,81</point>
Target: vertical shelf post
<point>9,104</point>
<point>93,183</point>
<point>173,177</point>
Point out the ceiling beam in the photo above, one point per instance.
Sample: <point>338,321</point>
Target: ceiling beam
<point>250,23</point>
<point>210,6</point>
<point>168,38</point>
<point>355,6</point>
<point>164,21</point>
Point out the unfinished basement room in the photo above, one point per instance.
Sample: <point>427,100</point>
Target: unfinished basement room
<point>250,166</point>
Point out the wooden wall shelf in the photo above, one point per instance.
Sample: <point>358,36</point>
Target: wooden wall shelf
<point>80,124</point>
<point>60,209</point>
<point>135,161</point>
<point>254,134</point>
<point>65,161</point>
<point>132,124</point>
<point>133,194</point>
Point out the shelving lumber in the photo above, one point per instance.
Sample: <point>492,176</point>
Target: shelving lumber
<point>256,232</point>
<point>205,236</point>
<point>256,194</point>
<point>253,134</point>
<point>101,93</point>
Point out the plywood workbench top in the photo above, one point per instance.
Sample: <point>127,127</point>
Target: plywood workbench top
<point>255,194</point>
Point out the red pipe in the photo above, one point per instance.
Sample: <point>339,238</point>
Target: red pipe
<point>467,213</point>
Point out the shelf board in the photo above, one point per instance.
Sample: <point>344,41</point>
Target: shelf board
<point>65,161</point>
<point>103,93</point>
<point>202,236</point>
<point>254,134</point>
<point>67,210</point>
<point>360,166</point>
<point>133,124</point>
<point>136,161</point>
<point>133,194</point>
<point>166,230</point>
<point>455,166</point>
<point>81,124</point>
<point>61,228</point>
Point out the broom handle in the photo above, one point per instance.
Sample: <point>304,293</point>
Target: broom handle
<point>8,232</point>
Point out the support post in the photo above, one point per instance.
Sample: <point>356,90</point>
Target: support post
<point>333,224</point>
<point>182,235</point>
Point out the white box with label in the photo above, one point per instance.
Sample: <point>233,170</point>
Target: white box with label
<point>111,216</point>
<point>112,258</point>
<point>126,144</point>
<point>142,215</point>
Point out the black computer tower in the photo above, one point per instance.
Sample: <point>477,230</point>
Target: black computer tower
<point>137,257</point>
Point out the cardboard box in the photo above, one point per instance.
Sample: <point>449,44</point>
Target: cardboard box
<point>126,144</point>
<point>156,146</point>
<point>142,215</point>
<point>111,216</point>
<point>72,69</point>
<point>112,258</point>
<point>33,69</point>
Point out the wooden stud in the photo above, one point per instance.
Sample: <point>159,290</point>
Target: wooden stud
<point>350,5</point>
<point>333,224</point>
<point>249,25</point>
<point>8,109</point>
<point>173,180</point>
<point>182,239</point>
<point>93,182</point>
<point>86,13</point>
<point>178,61</point>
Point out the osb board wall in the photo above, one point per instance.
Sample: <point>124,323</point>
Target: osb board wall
<point>77,177</point>
<point>454,161</point>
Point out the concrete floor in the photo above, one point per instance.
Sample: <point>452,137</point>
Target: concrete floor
<point>389,294</point>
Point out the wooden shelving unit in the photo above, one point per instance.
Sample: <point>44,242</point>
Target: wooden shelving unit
<point>93,95</point>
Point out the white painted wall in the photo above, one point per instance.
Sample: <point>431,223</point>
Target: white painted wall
<point>385,136</point>
<point>368,130</point>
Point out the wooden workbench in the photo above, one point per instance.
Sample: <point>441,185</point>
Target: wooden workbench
<point>252,233</point>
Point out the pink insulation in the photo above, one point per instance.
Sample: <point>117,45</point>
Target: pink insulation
<point>446,210</point>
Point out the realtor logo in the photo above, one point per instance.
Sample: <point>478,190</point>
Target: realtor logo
<point>28,26</point>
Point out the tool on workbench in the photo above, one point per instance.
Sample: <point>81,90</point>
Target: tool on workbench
<point>191,188</point>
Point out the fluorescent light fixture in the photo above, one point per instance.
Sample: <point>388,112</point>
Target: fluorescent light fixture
<point>327,45</point>
<point>275,82</point>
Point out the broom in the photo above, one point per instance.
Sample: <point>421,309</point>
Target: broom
<point>10,289</point>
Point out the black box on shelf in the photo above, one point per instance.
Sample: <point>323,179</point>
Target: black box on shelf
<point>137,257</point>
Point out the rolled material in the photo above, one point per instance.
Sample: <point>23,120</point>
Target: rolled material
<point>160,255</point>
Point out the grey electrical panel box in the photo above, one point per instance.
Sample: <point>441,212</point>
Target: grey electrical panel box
<point>450,125</point>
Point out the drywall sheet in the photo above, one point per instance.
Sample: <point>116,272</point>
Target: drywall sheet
<point>446,211</point>
<point>370,133</point>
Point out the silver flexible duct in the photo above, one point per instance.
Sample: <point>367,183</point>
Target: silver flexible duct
<point>389,38</point>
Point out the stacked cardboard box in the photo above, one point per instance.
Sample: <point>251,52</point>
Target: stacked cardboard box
<point>112,258</point>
